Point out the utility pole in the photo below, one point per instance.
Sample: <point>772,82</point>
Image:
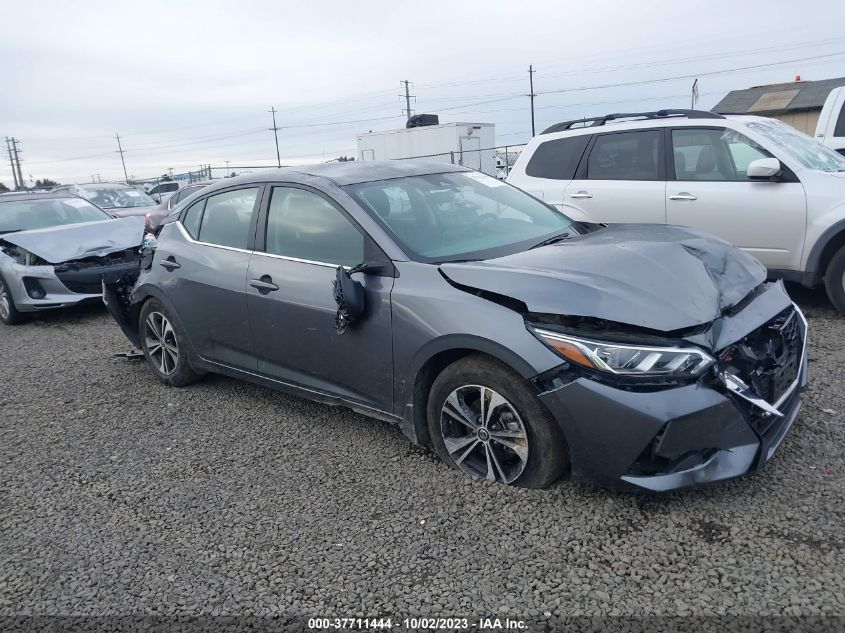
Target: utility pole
<point>275,130</point>
<point>694,95</point>
<point>531,94</point>
<point>120,151</point>
<point>408,97</point>
<point>21,181</point>
<point>12,163</point>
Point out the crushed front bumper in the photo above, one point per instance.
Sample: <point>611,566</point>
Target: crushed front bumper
<point>669,438</point>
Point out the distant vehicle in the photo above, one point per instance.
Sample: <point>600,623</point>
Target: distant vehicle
<point>55,250</point>
<point>154,217</point>
<point>478,319</point>
<point>117,200</point>
<point>157,192</point>
<point>756,182</point>
<point>830,129</point>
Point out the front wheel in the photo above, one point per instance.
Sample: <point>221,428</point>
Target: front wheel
<point>485,420</point>
<point>164,346</point>
<point>834,280</point>
<point>9,314</point>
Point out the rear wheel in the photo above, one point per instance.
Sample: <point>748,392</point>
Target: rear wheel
<point>164,346</point>
<point>834,280</point>
<point>9,314</point>
<point>485,420</point>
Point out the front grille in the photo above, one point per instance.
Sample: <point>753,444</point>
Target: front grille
<point>83,288</point>
<point>769,358</point>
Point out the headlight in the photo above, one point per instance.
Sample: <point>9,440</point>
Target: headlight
<point>628,360</point>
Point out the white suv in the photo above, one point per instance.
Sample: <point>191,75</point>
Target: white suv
<point>754,181</point>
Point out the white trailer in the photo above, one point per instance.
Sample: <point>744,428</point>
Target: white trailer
<point>468,144</point>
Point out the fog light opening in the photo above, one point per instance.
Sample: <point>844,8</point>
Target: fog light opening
<point>33,288</point>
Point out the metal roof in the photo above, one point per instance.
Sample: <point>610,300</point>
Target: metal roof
<point>794,96</point>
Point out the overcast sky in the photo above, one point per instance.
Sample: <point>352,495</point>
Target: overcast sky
<point>191,83</point>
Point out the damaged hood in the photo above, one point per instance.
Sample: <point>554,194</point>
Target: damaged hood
<point>60,244</point>
<point>648,275</point>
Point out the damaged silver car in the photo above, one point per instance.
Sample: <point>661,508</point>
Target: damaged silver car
<point>55,250</point>
<point>521,345</point>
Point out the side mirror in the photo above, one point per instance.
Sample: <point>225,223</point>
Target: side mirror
<point>156,197</point>
<point>349,296</point>
<point>763,168</point>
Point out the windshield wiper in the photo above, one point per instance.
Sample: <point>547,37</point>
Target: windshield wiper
<point>552,240</point>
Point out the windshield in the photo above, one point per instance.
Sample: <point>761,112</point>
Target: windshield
<point>458,216</point>
<point>806,150</point>
<point>23,215</point>
<point>117,198</point>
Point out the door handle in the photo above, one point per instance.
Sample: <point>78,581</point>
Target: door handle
<point>265,284</point>
<point>170,264</point>
<point>581,194</point>
<point>683,196</point>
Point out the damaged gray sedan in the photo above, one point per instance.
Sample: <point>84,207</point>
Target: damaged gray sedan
<point>55,250</point>
<point>521,345</point>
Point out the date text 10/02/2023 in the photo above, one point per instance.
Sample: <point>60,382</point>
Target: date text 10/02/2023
<point>419,623</point>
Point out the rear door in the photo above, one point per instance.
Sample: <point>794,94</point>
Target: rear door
<point>204,270</point>
<point>621,179</point>
<point>302,238</point>
<point>708,189</point>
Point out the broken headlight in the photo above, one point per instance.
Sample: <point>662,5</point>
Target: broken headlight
<point>626,359</point>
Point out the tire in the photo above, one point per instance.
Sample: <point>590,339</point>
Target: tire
<point>164,346</point>
<point>834,280</point>
<point>9,314</point>
<point>520,444</point>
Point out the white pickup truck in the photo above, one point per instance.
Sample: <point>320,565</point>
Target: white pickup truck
<point>830,129</point>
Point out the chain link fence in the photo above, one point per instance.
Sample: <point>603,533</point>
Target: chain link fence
<point>493,161</point>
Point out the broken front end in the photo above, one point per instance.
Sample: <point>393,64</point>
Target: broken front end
<point>713,403</point>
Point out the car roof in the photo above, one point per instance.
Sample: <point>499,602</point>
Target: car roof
<point>37,196</point>
<point>346,173</point>
<point>103,185</point>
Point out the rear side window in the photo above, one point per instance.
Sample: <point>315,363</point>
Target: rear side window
<point>626,156</point>
<point>227,216</point>
<point>557,159</point>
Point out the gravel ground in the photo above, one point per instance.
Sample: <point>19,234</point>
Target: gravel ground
<point>122,496</point>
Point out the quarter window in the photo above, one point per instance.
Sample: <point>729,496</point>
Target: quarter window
<point>557,159</point>
<point>192,217</point>
<point>626,156</point>
<point>226,218</point>
<point>303,225</point>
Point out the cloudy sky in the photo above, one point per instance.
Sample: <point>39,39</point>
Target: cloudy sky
<point>190,83</point>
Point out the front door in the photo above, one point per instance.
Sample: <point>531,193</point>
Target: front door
<point>708,189</point>
<point>292,308</point>
<point>621,180</point>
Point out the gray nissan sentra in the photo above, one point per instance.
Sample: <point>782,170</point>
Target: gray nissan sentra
<point>519,344</point>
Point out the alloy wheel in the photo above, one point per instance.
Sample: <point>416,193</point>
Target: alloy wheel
<point>484,434</point>
<point>5,305</point>
<point>160,341</point>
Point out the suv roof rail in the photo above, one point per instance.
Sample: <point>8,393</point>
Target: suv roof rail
<point>658,114</point>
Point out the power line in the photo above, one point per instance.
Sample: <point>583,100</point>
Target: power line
<point>21,181</point>
<point>408,96</point>
<point>531,94</point>
<point>120,151</point>
<point>275,134</point>
<point>12,162</point>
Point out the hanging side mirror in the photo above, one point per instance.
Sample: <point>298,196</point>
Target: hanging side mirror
<point>349,296</point>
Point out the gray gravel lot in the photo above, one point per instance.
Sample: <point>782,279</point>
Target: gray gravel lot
<point>119,495</point>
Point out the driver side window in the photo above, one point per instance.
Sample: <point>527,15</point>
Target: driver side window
<point>303,225</point>
<point>713,154</point>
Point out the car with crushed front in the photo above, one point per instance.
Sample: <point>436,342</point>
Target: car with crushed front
<point>117,199</point>
<point>521,345</point>
<point>55,250</point>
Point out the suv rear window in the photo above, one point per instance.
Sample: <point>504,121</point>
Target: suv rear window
<point>557,159</point>
<point>626,156</point>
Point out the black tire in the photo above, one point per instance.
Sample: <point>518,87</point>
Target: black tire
<point>547,457</point>
<point>9,314</point>
<point>834,280</point>
<point>160,357</point>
